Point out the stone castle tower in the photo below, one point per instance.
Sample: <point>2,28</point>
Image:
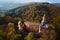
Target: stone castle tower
<point>20,25</point>
<point>43,23</point>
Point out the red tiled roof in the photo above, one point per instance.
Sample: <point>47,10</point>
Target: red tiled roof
<point>32,26</point>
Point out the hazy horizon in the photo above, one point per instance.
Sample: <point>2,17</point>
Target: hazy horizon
<point>9,4</point>
<point>28,1</point>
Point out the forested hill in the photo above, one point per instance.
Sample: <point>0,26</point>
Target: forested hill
<point>34,12</point>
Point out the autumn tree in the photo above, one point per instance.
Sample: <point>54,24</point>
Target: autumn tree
<point>30,36</point>
<point>10,30</point>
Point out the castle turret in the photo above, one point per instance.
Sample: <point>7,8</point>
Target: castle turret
<point>19,25</point>
<point>43,22</point>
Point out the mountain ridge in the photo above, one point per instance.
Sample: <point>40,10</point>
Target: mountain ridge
<point>35,11</point>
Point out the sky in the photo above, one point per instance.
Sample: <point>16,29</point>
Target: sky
<point>27,1</point>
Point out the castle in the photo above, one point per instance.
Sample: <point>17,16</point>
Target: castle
<point>34,27</point>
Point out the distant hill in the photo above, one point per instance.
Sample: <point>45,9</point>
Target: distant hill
<point>10,5</point>
<point>7,6</point>
<point>57,4</point>
<point>34,12</point>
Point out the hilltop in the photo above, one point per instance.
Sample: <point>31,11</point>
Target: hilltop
<point>34,12</point>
